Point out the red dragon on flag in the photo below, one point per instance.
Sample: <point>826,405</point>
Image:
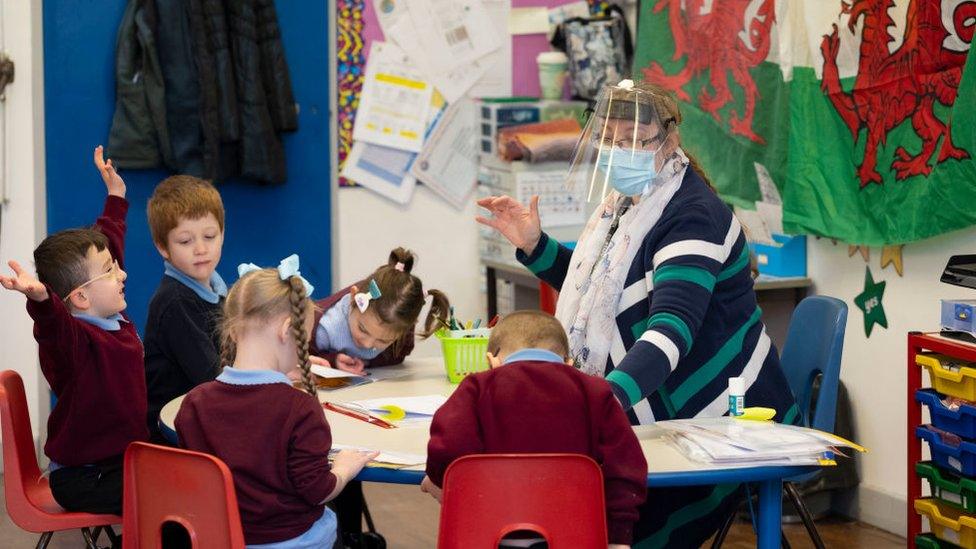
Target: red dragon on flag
<point>721,37</point>
<point>894,86</point>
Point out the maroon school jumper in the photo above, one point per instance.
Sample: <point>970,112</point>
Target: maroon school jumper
<point>276,442</point>
<point>533,407</point>
<point>96,374</point>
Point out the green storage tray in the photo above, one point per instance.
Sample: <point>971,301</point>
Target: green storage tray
<point>949,487</point>
<point>929,541</point>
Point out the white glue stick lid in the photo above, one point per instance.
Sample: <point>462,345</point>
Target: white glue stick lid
<point>737,385</point>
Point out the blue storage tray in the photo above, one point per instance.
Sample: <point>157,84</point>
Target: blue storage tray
<point>961,459</point>
<point>961,422</point>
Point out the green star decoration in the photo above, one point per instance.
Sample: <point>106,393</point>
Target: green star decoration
<point>869,301</point>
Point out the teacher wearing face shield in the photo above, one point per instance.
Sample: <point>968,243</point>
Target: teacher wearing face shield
<point>657,296</point>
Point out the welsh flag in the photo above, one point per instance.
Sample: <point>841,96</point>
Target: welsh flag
<point>861,112</point>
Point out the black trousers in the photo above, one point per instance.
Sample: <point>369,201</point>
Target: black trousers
<point>89,488</point>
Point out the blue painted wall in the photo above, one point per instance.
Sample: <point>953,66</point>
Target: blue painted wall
<point>264,224</point>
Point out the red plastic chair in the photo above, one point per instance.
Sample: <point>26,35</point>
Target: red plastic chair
<point>29,501</point>
<point>192,489</point>
<point>488,496</point>
<point>548,296</point>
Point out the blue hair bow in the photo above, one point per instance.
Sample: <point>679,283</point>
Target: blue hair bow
<point>286,269</point>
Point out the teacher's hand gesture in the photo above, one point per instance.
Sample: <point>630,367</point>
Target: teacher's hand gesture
<point>520,225</point>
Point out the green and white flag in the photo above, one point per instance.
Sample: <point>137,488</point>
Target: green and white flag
<point>863,113</point>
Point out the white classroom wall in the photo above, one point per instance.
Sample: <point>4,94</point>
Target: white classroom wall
<point>874,369</point>
<point>444,238</point>
<point>22,220</point>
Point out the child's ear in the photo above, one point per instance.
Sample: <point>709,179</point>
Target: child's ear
<point>79,301</point>
<point>162,251</point>
<point>493,361</point>
<point>353,290</point>
<point>284,330</point>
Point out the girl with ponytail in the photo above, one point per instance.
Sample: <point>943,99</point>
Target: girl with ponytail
<point>274,438</point>
<point>374,321</point>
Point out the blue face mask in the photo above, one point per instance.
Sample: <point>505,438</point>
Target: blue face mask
<point>630,172</point>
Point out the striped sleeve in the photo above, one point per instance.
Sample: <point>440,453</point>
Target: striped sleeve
<point>686,262</point>
<point>549,261</point>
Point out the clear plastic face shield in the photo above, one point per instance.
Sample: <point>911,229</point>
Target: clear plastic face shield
<point>628,137</point>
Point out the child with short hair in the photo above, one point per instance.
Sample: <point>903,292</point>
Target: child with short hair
<point>372,322</point>
<point>274,438</point>
<point>186,219</point>
<point>532,401</point>
<point>90,353</point>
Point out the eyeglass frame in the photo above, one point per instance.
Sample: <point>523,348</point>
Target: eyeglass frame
<point>114,271</point>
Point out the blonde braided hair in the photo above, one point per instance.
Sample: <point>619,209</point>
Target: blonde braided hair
<point>300,309</point>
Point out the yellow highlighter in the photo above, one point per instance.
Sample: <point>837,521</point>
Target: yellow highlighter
<point>757,413</point>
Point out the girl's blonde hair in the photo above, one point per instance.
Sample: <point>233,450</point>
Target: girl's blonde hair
<point>260,296</point>
<point>403,296</point>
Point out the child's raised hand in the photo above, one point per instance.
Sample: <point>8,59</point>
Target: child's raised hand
<point>350,364</point>
<point>113,182</point>
<point>24,283</point>
<point>429,487</point>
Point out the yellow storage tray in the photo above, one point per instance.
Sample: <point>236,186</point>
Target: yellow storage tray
<point>948,523</point>
<point>958,381</point>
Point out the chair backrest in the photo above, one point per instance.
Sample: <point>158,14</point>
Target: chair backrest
<point>20,469</point>
<point>487,496</point>
<point>192,489</point>
<point>813,347</point>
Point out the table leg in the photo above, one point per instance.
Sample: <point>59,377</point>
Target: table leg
<point>491,281</point>
<point>770,513</point>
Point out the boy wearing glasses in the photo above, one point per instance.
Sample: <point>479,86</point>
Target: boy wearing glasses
<point>90,354</point>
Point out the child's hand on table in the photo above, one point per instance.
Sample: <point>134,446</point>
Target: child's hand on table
<point>350,364</point>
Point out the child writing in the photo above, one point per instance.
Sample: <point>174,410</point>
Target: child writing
<point>274,438</point>
<point>532,401</point>
<point>372,322</point>
<point>186,219</point>
<point>90,353</point>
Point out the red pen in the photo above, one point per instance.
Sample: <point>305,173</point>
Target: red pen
<point>493,321</point>
<point>359,413</point>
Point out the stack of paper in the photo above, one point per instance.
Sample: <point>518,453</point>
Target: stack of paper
<point>733,442</point>
<point>327,379</point>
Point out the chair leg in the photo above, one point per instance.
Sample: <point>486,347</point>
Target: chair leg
<point>112,536</point>
<point>794,495</point>
<point>370,527</point>
<point>89,540</point>
<point>723,531</point>
<point>45,539</point>
<point>785,543</point>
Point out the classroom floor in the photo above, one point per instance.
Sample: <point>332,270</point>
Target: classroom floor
<point>408,519</point>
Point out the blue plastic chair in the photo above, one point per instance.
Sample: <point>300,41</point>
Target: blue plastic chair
<point>813,349</point>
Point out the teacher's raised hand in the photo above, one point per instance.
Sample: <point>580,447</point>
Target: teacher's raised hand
<point>520,225</point>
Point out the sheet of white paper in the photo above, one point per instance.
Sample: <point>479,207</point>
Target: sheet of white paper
<point>755,226</point>
<point>533,20</point>
<point>767,186</point>
<point>497,79</point>
<point>424,404</point>
<point>772,215</point>
<point>392,458</point>
<point>558,206</point>
<point>382,169</point>
<point>397,24</point>
<point>395,101</point>
<point>452,33</point>
<point>448,164</point>
<point>322,371</point>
